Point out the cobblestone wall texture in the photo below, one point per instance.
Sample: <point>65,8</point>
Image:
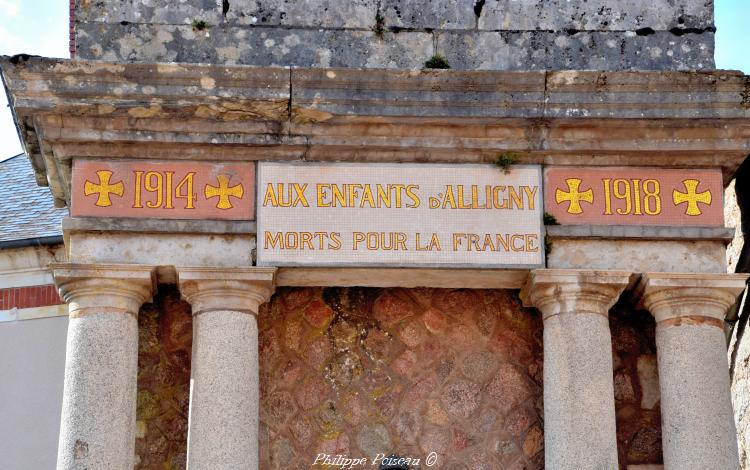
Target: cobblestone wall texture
<point>409,371</point>
<point>470,34</point>
<point>164,344</point>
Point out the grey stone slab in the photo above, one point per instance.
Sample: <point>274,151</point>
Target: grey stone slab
<point>644,232</point>
<point>543,50</point>
<point>356,14</point>
<point>254,46</point>
<point>428,14</point>
<point>149,11</point>
<point>596,15</point>
<point>697,256</point>
<point>427,93</point>
<point>336,14</point>
<point>109,224</point>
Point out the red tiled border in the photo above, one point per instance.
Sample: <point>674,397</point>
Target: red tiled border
<point>29,297</point>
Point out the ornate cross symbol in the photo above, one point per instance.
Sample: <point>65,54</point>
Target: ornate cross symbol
<point>574,196</point>
<point>103,188</point>
<point>223,192</point>
<point>692,197</point>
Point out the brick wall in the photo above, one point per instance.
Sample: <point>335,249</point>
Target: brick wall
<point>29,297</point>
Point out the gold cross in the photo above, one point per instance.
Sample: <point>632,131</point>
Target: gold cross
<point>103,188</point>
<point>574,196</point>
<point>224,191</point>
<point>692,197</point>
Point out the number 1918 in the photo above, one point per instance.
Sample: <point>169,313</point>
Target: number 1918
<point>640,196</point>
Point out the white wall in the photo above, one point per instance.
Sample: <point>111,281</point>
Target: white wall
<point>32,361</point>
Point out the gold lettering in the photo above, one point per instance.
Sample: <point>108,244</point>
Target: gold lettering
<point>320,191</point>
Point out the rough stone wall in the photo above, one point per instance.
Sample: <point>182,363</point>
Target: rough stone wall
<point>365,371</point>
<point>470,34</point>
<point>412,371</point>
<point>636,382</point>
<point>164,346</point>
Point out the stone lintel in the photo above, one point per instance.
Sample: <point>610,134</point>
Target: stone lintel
<point>113,224</point>
<point>101,288</point>
<point>403,277</point>
<point>687,299</point>
<point>570,291</point>
<point>640,232</point>
<point>239,289</point>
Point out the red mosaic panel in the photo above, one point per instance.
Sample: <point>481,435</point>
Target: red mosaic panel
<point>165,190</point>
<point>634,196</point>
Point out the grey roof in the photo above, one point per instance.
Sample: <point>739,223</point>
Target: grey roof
<point>26,210</point>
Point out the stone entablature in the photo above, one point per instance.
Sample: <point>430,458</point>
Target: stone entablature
<point>67,109</point>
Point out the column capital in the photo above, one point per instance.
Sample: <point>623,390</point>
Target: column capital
<point>239,289</point>
<point>572,291</point>
<point>689,298</point>
<point>104,288</point>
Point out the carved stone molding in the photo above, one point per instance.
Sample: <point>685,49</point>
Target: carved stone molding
<point>237,289</point>
<point>102,288</point>
<point>565,291</point>
<point>679,298</point>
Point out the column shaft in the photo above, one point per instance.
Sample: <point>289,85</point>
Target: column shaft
<point>579,409</point>
<point>97,428</point>
<point>697,420</point>
<point>224,391</point>
<point>579,406</point>
<point>698,429</point>
<point>223,428</point>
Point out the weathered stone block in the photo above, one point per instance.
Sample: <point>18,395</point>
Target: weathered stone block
<point>428,14</point>
<point>254,46</point>
<point>595,15</point>
<point>547,50</point>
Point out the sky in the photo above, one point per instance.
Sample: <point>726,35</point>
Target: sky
<point>40,27</point>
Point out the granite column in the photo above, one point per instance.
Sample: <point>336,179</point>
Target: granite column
<point>579,406</point>
<point>224,386</point>
<point>97,428</point>
<point>698,429</point>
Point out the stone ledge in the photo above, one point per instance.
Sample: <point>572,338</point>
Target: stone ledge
<point>641,232</point>
<point>112,224</point>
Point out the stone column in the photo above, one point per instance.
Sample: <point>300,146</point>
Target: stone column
<point>696,410</point>
<point>579,403</point>
<point>97,428</point>
<point>224,386</point>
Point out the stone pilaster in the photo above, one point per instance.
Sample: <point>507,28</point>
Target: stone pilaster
<point>579,406</point>
<point>97,428</point>
<point>697,421</point>
<point>224,394</point>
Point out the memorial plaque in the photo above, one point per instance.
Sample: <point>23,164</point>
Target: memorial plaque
<point>634,196</point>
<point>165,190</point>
<point>429,215</point>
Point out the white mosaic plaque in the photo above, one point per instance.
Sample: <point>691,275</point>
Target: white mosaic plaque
<point>399,215</point>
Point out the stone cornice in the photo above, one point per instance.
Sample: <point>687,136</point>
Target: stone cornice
<point>66,109</point>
